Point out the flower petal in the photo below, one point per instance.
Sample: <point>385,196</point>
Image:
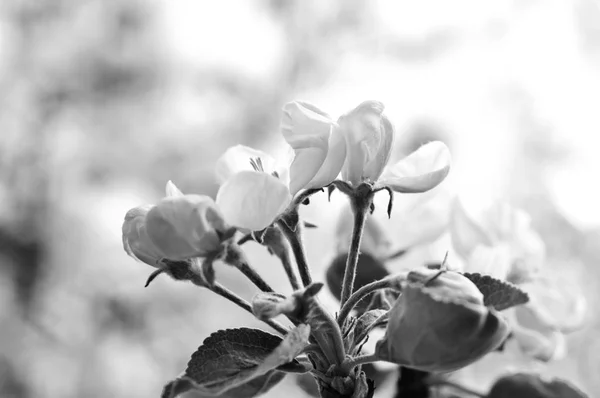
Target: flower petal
<point>465,232</point>
<point>377,161</point>
<point>307,130</point>
<point>237,158</point>
<point>185,226</point>
<point>331,167</point>
<point>369,137</point>
<point>493,261</point>
<point>420,171</point>
<point>172,190</point>
<point>136,241</point>
<point>252,200</point>
<point>555,305</point>
<point>543,347</point>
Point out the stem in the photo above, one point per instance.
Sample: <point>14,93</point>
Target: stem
<point>447,383</point>
<point>352,362</point>
<point>236,258</point>
<point>295,239</point>
<point>289,271</point>
<point>360,208</point>
<point>390,281</point>
<point>254,277</point>
<point>240,302</point>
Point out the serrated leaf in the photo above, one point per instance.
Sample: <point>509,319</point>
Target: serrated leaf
<point>232,359</point>
<point>496,293</point>
<point>252,388</point>
<point>526,385</point>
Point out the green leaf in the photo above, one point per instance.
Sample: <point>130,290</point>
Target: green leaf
<point>526,385</point>
<point>496,293</point>
<point>245,361</point>
<point>252,388</point>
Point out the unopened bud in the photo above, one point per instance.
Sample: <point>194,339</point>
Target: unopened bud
<point>186,226</point>
<point>439,324</point>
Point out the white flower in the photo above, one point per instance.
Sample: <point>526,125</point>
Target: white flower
<point>252,194</point>
<point>318,144</point>
<point>359,145</point>
<point>554,309</point>
<point>369,138</point>
<point>502,243</point>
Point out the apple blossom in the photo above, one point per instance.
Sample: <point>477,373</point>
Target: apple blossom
<point>185,226</point>
<point>318,143</point>
<point>502,243</point>
<point>253,192</point>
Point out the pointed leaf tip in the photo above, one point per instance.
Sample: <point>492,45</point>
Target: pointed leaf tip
<point>496,293</point>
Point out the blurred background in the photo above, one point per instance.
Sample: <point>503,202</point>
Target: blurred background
<point>103,101</point>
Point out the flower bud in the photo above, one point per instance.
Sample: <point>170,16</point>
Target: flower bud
<point>136,241</point>
<point>533,386</point>
<point>185,226</point>
<point>439,324</point>
<point>369,138</point>
<point>267,305</point>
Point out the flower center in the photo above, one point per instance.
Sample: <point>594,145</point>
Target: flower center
<point>257,165</point>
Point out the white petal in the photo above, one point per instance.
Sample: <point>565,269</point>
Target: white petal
<point>420,171</point>
<point>369,137</point>
<point>416,219</point>
<point>307,130</point>
<point>331,167</point>
<point>537,345</point>
<point>556,304</point>
<point>172,190</point>
<point>237,158</point>
<point>493,261</point>
<point>252,200</point>
<point>376,163</point>
<point>465,232</point>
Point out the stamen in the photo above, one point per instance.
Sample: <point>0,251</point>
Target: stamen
<point>256,164</point>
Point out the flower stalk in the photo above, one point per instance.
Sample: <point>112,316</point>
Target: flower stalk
<point>240,302</point>
<point>361,201</point>
<point>236,258</point>
<point>294,237</point>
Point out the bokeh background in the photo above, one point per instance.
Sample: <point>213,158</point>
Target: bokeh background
<point>103,101</point>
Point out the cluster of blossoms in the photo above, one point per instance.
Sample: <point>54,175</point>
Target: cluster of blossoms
<point>504,245</point>
<point>435,320</point>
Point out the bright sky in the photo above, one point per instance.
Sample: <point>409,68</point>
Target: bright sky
<point>535,46</point>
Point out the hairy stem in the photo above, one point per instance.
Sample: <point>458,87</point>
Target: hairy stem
<point>295,240</point>
<point>236,258</point>
<point>360,209</point>
<point>392,281</point>
<point>253,276</point>
<point>240,302</point>
<point>352,362</point>
<point>289,270</point>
